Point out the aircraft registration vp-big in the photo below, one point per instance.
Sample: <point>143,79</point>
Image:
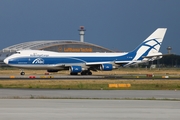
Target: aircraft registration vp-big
<point>84,63</point>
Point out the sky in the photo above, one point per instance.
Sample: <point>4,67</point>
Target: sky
<point>119,25</point>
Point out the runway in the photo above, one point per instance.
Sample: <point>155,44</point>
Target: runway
<point>44,104</point>
<point>81,109</point>
<point>89,94</point>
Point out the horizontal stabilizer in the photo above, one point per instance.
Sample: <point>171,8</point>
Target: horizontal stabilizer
<point>157,55</point>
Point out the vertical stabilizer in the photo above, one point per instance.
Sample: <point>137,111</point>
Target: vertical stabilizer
<point>151,45</point>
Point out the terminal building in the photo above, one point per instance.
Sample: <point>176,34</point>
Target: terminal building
<point>54,45</point>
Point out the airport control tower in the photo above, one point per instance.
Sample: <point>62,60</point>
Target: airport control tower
<point>81,33</point>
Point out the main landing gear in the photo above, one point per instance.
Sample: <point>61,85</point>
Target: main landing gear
<point>85,72</point>
<point>73,73</point>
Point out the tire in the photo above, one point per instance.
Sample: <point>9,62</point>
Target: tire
<point>89,73</point>
<point>73,73</point>
<point>83,73</point>
<point>86,72</point>
<point>22,73</point>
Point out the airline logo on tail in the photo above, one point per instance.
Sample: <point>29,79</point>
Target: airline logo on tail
<point>152,44</point>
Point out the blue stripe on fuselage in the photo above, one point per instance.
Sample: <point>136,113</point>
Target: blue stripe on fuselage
<point>69,60</point>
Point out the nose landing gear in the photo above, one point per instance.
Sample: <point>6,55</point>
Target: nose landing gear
<point>22,72</point>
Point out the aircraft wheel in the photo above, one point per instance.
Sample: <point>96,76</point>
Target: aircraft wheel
<point>86,73</point>
<point>83,73</point>
<point>73,73</point>
<point>22,73</point>
<point>89,73</point>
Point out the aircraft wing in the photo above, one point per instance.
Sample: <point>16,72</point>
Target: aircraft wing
<point>58,65</point>
<point>110,62</point>
<point>126,63</point>
<point>121,63</point>
<point>97,63</point>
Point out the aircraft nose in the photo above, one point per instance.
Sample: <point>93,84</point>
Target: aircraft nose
<point>6,61</point>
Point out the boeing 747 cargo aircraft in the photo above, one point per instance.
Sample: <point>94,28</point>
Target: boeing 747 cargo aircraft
<point>84,63</point>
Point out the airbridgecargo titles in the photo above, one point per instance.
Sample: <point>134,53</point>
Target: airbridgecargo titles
<point>84,63</point>
<point>38,55</point>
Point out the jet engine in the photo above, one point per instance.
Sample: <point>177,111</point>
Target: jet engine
<point>106,67</point>
<point>75,69</point>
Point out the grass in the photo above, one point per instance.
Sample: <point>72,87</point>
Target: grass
<point>92,84</point>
